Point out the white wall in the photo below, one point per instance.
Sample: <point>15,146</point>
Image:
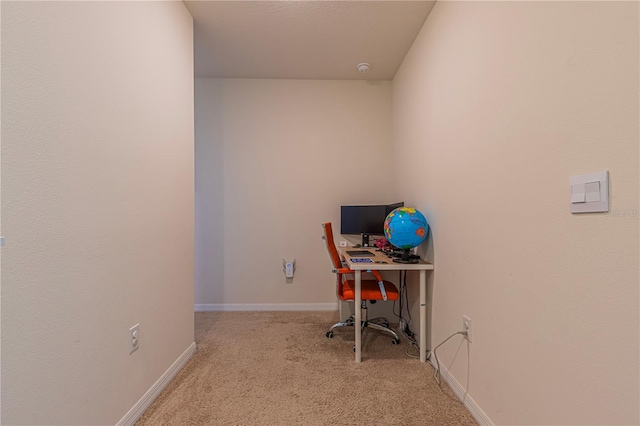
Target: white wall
<point>274,160</point>
<point>494,108</point>
<point>97,205</point>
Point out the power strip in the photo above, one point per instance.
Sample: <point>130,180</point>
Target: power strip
<point>403,328</point>
<point>410,336</point>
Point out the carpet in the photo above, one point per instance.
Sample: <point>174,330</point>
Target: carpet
<point>278,368</point>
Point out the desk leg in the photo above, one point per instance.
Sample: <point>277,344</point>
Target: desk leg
<point>358,314</point>
<point>423,316</point>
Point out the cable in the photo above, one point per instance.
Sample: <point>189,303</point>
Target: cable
<point>394,309</point>
<point>412,345</point>
<point>403,300</point>
<point>406,297</point>
<point>437,373</point>
<point>401,290</point>
<point>399,314</point>
<point>404,304</point>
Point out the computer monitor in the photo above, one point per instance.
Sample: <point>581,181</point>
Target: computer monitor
<point>365,220</point>
<point>391,207</point>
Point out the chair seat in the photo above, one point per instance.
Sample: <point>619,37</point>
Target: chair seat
<point>370,290</point>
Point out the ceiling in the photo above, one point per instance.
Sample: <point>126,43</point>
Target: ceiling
<point>318,39</point>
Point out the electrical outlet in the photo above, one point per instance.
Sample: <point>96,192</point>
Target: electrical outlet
<point>466,326</point>
<point>343,243</point>
<point>134,338</point>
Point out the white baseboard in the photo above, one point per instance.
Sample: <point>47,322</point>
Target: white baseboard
<point>463,396</point>
<point>229,307</point>
<point>136,411</point>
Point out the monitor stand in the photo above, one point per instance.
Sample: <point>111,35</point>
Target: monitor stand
<point>365,240</point>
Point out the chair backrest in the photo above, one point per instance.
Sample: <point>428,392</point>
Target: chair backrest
<point>339,268</point>
<point>331,247</point>
<point>335,258</point>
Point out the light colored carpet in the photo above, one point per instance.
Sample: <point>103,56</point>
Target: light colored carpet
<point>278,368</point>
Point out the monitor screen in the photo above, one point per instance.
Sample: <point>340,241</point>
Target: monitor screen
<point>356,220</point>
<point>392,207</point>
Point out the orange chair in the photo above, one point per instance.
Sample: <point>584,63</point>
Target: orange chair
<point>370,291</point>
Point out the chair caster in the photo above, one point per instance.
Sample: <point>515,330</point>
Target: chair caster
<point>329,334</point>
<point>395,341</point>
<point>385,324</point>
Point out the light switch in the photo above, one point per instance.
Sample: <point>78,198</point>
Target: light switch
<point>578,193</point>
<point>589,193</point>
<point>592,191</point>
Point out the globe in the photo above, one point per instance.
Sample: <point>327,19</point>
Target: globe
<point>406,228</point>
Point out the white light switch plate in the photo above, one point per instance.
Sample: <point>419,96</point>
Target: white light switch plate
<point>589,193</point>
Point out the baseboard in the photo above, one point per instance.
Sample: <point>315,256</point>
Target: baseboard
<point>136,411</point>
<point>463,396</point>
<point>229,307</point>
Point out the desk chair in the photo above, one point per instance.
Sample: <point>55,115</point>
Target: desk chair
<point>370,290</point>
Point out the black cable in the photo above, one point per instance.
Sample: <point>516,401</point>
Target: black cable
<point>394,310</point>
<point>403,296</point>
<point>406,296</point>
<point>400,296</point>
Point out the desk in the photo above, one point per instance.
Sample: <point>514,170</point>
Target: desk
<point>388,265</point>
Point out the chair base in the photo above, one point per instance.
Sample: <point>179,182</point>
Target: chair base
<point>381,324</point>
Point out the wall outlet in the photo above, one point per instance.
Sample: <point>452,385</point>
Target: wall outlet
<point>343,243</point>
<point>466,326</point>
<point>134,338</point>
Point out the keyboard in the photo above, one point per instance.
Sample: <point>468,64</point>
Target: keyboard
<point>359,253</point>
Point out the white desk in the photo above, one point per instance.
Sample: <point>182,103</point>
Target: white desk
<point>388,265</point>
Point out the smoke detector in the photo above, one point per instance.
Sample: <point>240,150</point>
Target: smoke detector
<point>363,67</point>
